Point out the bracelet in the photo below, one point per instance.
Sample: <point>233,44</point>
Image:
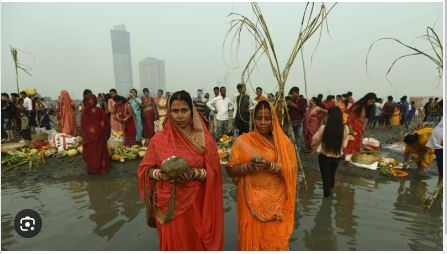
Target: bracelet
<point>202,174</point>
<point>155,174</point>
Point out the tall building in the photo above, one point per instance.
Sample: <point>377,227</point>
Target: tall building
<point>122,62</point>
<point>152,75</point>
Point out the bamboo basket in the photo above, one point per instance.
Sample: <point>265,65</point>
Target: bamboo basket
<point>366,157</point>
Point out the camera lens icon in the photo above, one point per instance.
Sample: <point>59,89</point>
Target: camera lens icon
<point>28,223</point>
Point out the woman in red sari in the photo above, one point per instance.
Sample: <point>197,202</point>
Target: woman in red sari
<point>197,222</point>
<point>125,114</point>
<point>149,115</point>
<point>356,123</point>
<point>95,127</point>
<point>66,114</point>
<point>312,122</point>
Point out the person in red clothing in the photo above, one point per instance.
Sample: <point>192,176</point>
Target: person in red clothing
<point>350,99</point>
<point>297,109</point>
<point>197,222</point>
<point>95,126</point>
<point>356,122</point>
<point>329,102</point>
<point>125,114</point>
<point>149,115</point>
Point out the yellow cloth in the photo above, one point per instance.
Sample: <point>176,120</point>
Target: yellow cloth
<point>423,155</point>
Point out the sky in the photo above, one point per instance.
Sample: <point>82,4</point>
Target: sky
<point>68,46</point>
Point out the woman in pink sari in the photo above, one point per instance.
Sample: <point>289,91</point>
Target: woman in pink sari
<point>66,114</point>
<point>312,122</point>
<point>125,115</point>
<point>117,126</point>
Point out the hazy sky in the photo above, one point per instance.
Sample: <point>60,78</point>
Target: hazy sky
<point>71,46</point>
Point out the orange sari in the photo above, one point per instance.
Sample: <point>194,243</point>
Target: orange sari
<point>265,202</point>
<point>67,114</point>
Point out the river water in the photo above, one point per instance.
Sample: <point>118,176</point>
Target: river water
<point>106,213</point>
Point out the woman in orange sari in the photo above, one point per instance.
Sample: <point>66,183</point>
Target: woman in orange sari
<point>197,222</point>
<point>356,123</point>
<point>264,167</point>
<point>66,114</point>
<point>95,127</point>
<point>312,122</point>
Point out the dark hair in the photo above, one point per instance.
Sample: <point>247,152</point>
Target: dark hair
<point>207,95</point>
<point>239,86</point>
<point>362,104</point>
<point>294,89</point>
<point>133,90</point>
<point>320,96</point>
<point>222,87</point>
<point>412,102</point>
<point>390,98</point>
<point>258,88</point>
<point>86,92</point>
<point>119,98</point>
<point>349,93</point>
<point>404,98</point>
<point>181,96</point>
<point>216,88</point>
<point>260,105</point>
<point>333,133</point>
<point>160,90</point>
<point>145,90</point>
<point>23,92</point>
<point>113,90</point>
<point>411,138</point>
<point>6,95</point>
<point>14,95</point>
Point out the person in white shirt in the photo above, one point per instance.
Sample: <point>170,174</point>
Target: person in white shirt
<point>436,141</point>
<point>221,105</point>
<point>27,103</point>
<point>379,106</point>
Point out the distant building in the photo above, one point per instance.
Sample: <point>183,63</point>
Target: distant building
<point>122,62</point>
<point>152,75</point>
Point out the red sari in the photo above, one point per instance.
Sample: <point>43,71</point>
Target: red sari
<point>311,124</point>
<point>149,116</point>
<point>130,131</point>
<point>95,127</point>
<point>355,124</point>
<point>197,223</point>
<point>66,114</point>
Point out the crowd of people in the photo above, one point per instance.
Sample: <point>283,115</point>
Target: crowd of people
<point>186,209</point>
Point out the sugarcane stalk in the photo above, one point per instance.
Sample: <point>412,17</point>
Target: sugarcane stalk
<point>434,196</point>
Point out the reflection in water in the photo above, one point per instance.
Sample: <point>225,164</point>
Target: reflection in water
<point>113,207</point>
<point>422,224</point>
<point>363,214</point>
<point>322,235</point>
<point>344,209</point>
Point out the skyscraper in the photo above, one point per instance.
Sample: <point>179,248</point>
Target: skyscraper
<point>152,75</point>
<point>122,62</point>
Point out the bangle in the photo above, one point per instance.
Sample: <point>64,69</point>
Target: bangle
<point>203,174</point>
<point>155,174</point>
